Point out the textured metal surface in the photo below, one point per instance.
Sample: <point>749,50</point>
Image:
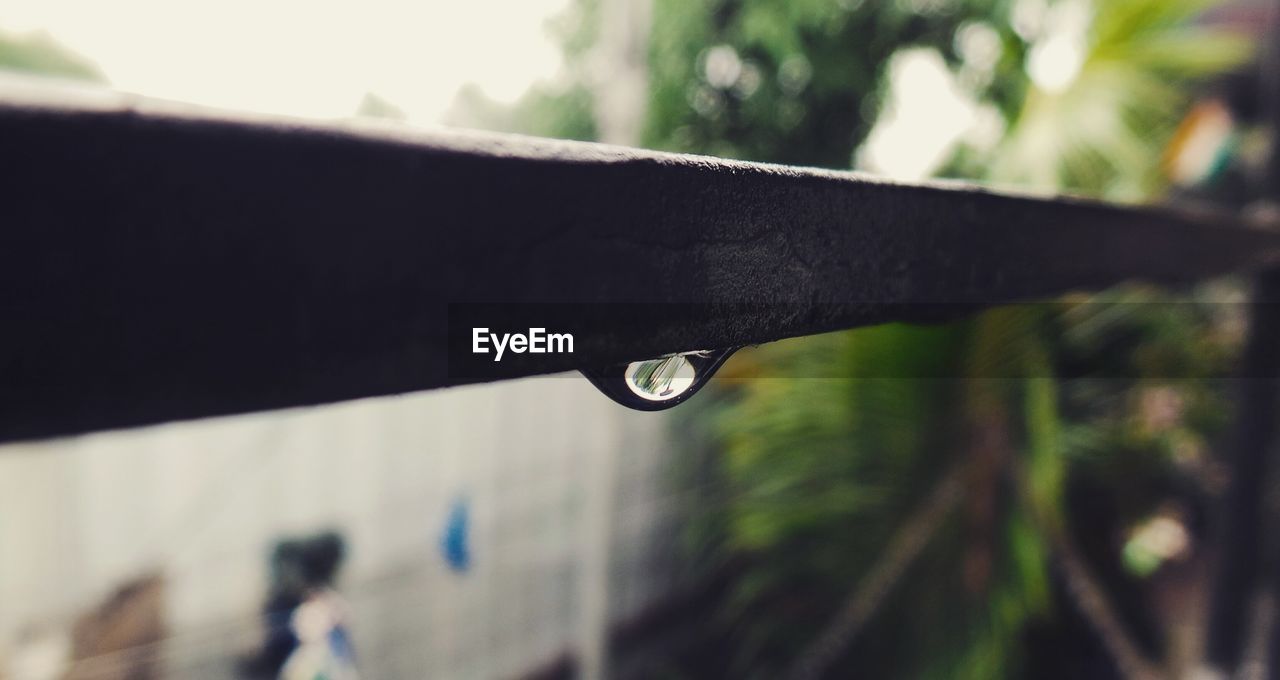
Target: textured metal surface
<point>158,263</point>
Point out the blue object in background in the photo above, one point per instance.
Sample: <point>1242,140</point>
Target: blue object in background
<point>455,544</point>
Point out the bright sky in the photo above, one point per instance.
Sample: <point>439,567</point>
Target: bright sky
<point>925,115</point>
<point>313,58</point>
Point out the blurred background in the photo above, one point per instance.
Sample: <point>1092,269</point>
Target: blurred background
<point>807,516</point>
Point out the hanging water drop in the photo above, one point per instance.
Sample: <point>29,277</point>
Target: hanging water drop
<point>660,383</point>
<point>660,379</point>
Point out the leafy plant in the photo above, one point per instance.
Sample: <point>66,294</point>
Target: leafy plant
<point>824,479</point>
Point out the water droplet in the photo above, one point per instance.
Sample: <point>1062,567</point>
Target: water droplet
<point>660,379</point>
<point>657,384</point>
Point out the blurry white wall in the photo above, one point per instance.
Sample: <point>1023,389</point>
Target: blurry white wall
<point>573,521</point>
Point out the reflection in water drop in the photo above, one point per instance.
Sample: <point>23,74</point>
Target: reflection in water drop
<point>656,384</point>
<point>660,379</point>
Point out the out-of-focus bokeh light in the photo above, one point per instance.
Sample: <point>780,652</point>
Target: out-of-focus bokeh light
<point>1058,52</point>
<point>927,112</point>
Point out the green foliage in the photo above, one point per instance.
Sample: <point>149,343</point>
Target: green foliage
<point>565,112</point>
<point>1145,399</point>
<point>822,472</point>
<point>785,459</point>
<point>38,53</point>
<point>1100,135</point>
<point>819,475</point>
<point>789,82</point>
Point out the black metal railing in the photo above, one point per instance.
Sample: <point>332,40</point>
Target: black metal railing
<point>160,263</point>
